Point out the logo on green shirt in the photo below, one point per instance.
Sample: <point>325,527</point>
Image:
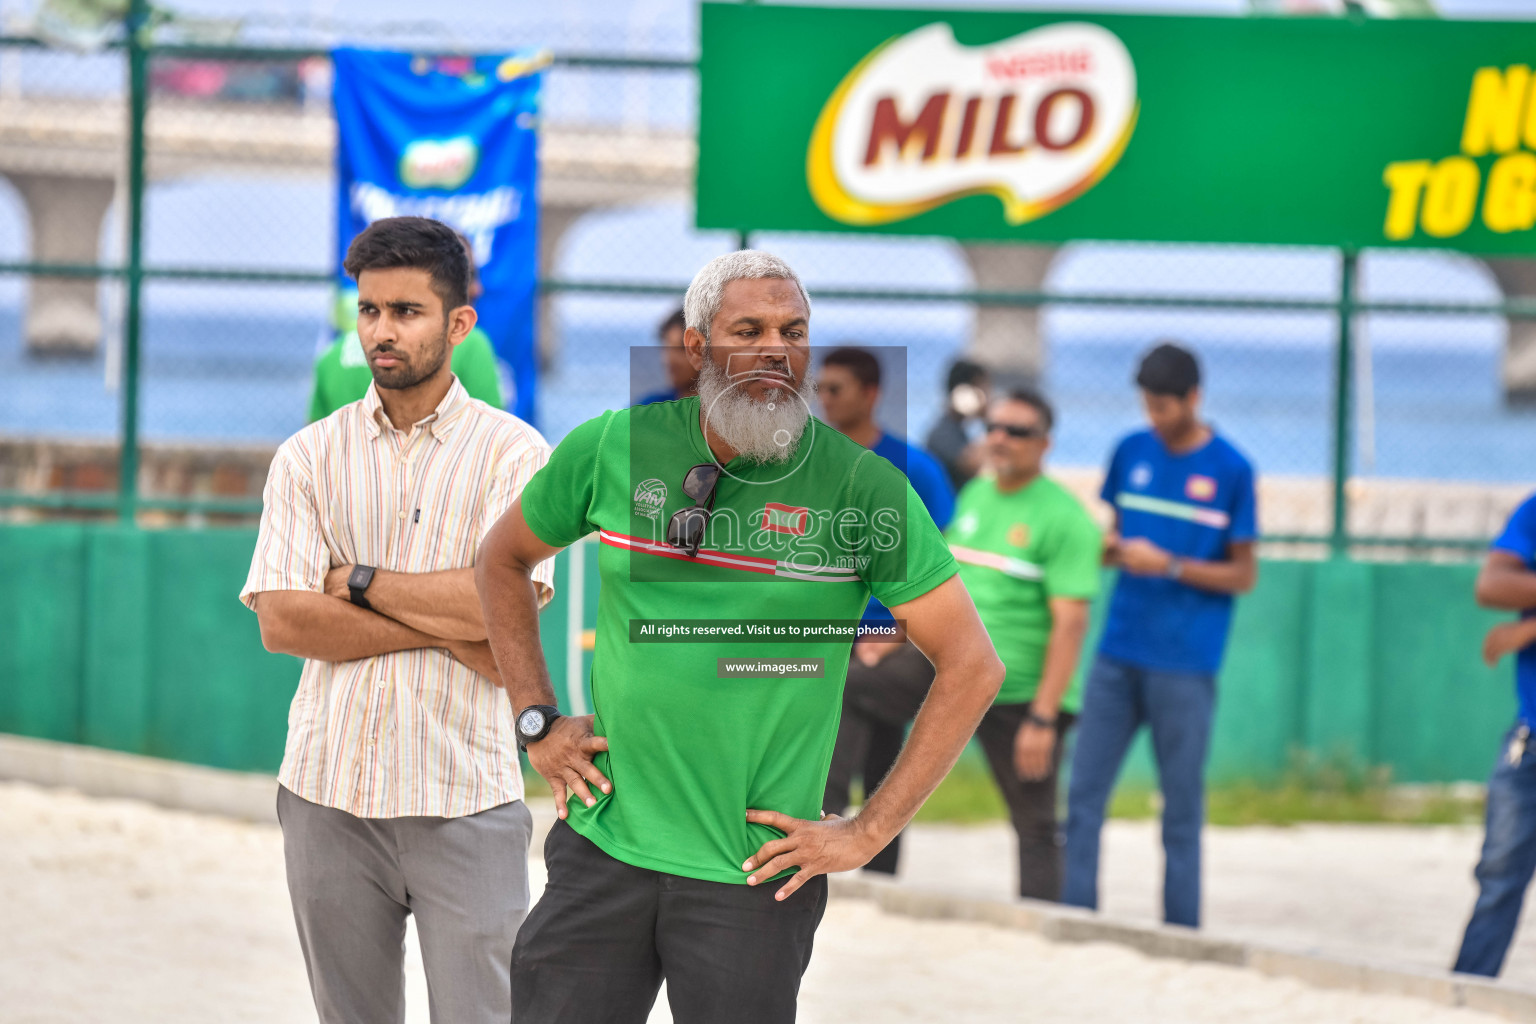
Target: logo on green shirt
<point>785,518</point>
<point>650,498</point>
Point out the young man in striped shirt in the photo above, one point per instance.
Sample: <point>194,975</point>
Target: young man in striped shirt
<point>400,790</point>
<point>1185,527</point>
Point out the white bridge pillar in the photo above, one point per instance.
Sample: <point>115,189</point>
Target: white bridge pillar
<point>1517,277</point>
<point>554,221</point>
<point>1008,339</point>
<point>66,214</point>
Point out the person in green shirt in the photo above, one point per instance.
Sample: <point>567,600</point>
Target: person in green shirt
<point>342,375</point>
<point>1031,557</point>
<point>698,782</point>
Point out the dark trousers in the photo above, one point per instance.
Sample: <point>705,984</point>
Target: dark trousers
<point>1118,700</point>
<point>1031,802</point>
<point>1507,863</point>
<point>595,948</point>
<point>879,702</point>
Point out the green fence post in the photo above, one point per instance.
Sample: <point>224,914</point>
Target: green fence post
<point>1343,387</point>
<point>137,25</point>
<point>743,240</point>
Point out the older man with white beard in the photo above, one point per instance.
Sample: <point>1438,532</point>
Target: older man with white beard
<point>740,539</point>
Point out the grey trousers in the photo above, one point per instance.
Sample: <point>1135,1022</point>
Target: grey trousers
<point>353,881</point>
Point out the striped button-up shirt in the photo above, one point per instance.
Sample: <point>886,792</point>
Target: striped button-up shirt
<point>414,732</point>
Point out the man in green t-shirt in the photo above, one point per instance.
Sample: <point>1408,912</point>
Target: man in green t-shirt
<point>1030,556</point>
<point>342,375</point>
<point>698,781</point>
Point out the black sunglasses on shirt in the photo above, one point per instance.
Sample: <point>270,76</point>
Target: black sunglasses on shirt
<point>685,530</point>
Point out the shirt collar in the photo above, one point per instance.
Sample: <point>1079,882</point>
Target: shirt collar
<point>443,421</point>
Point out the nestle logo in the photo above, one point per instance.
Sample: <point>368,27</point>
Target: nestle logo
<point>1035,120</point>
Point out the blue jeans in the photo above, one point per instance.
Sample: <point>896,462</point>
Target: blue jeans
<point>1118,700</point>
<point>1509,858</point>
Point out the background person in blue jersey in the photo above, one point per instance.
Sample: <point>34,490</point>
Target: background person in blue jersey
<point>1185,524</point>
<point>1508,582</point>
<point>682,378</point>
<point>887,678</point>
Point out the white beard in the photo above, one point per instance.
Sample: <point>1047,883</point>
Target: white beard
<point>751,427</point>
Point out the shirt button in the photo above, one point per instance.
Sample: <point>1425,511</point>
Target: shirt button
<point>379,682</point>
<point>401,513</point>
<point>370,744</point>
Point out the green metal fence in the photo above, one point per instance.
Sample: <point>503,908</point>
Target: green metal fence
<point>134,272</point>
<point>133,640</point>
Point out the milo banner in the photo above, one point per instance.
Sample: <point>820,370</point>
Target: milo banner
<point>1032,126</point>
<point>453,138</point>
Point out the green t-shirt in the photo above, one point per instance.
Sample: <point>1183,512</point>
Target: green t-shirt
<point>342,375</point>
<point>1016,552</point>
<point>690,749</point>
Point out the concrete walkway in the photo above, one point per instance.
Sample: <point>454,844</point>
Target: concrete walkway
<point>1398,893</point>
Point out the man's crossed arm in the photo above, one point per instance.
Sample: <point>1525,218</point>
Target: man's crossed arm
<point>410,610</point>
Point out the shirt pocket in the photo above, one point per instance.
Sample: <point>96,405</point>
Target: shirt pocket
<point>449,536</point>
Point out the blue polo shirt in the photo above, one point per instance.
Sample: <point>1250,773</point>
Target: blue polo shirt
<point>931,483</point>
<point>1194,505</point>
<point>1519,539</point>
<point>665,395</point>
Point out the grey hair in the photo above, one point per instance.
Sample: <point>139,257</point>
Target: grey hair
<point>708,288</point>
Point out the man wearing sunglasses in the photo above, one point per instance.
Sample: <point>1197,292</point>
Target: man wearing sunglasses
<point>695,847</point>
<point>1185,526</point>
<point>1030,556</point>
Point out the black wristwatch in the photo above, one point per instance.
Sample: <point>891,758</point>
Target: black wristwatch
<point>1041,721</point>
<point>533,723</point>
<point>357,583</point>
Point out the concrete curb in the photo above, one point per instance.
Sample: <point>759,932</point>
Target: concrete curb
<point>1070,924</point>
<point>252,797</point>
<point>108,773</point>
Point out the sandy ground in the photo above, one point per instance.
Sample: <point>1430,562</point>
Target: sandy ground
<point>120,911</point>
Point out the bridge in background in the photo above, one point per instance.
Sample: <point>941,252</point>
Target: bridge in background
<point>66,158</point>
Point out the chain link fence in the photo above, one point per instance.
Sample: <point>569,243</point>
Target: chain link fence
<point>235,301</point>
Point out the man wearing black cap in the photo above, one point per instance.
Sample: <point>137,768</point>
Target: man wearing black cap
<point>1185,525</point>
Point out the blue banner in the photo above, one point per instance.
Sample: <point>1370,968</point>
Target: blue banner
<point>455,139</point>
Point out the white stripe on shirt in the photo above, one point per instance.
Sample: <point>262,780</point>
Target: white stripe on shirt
<point>1213,517</point>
